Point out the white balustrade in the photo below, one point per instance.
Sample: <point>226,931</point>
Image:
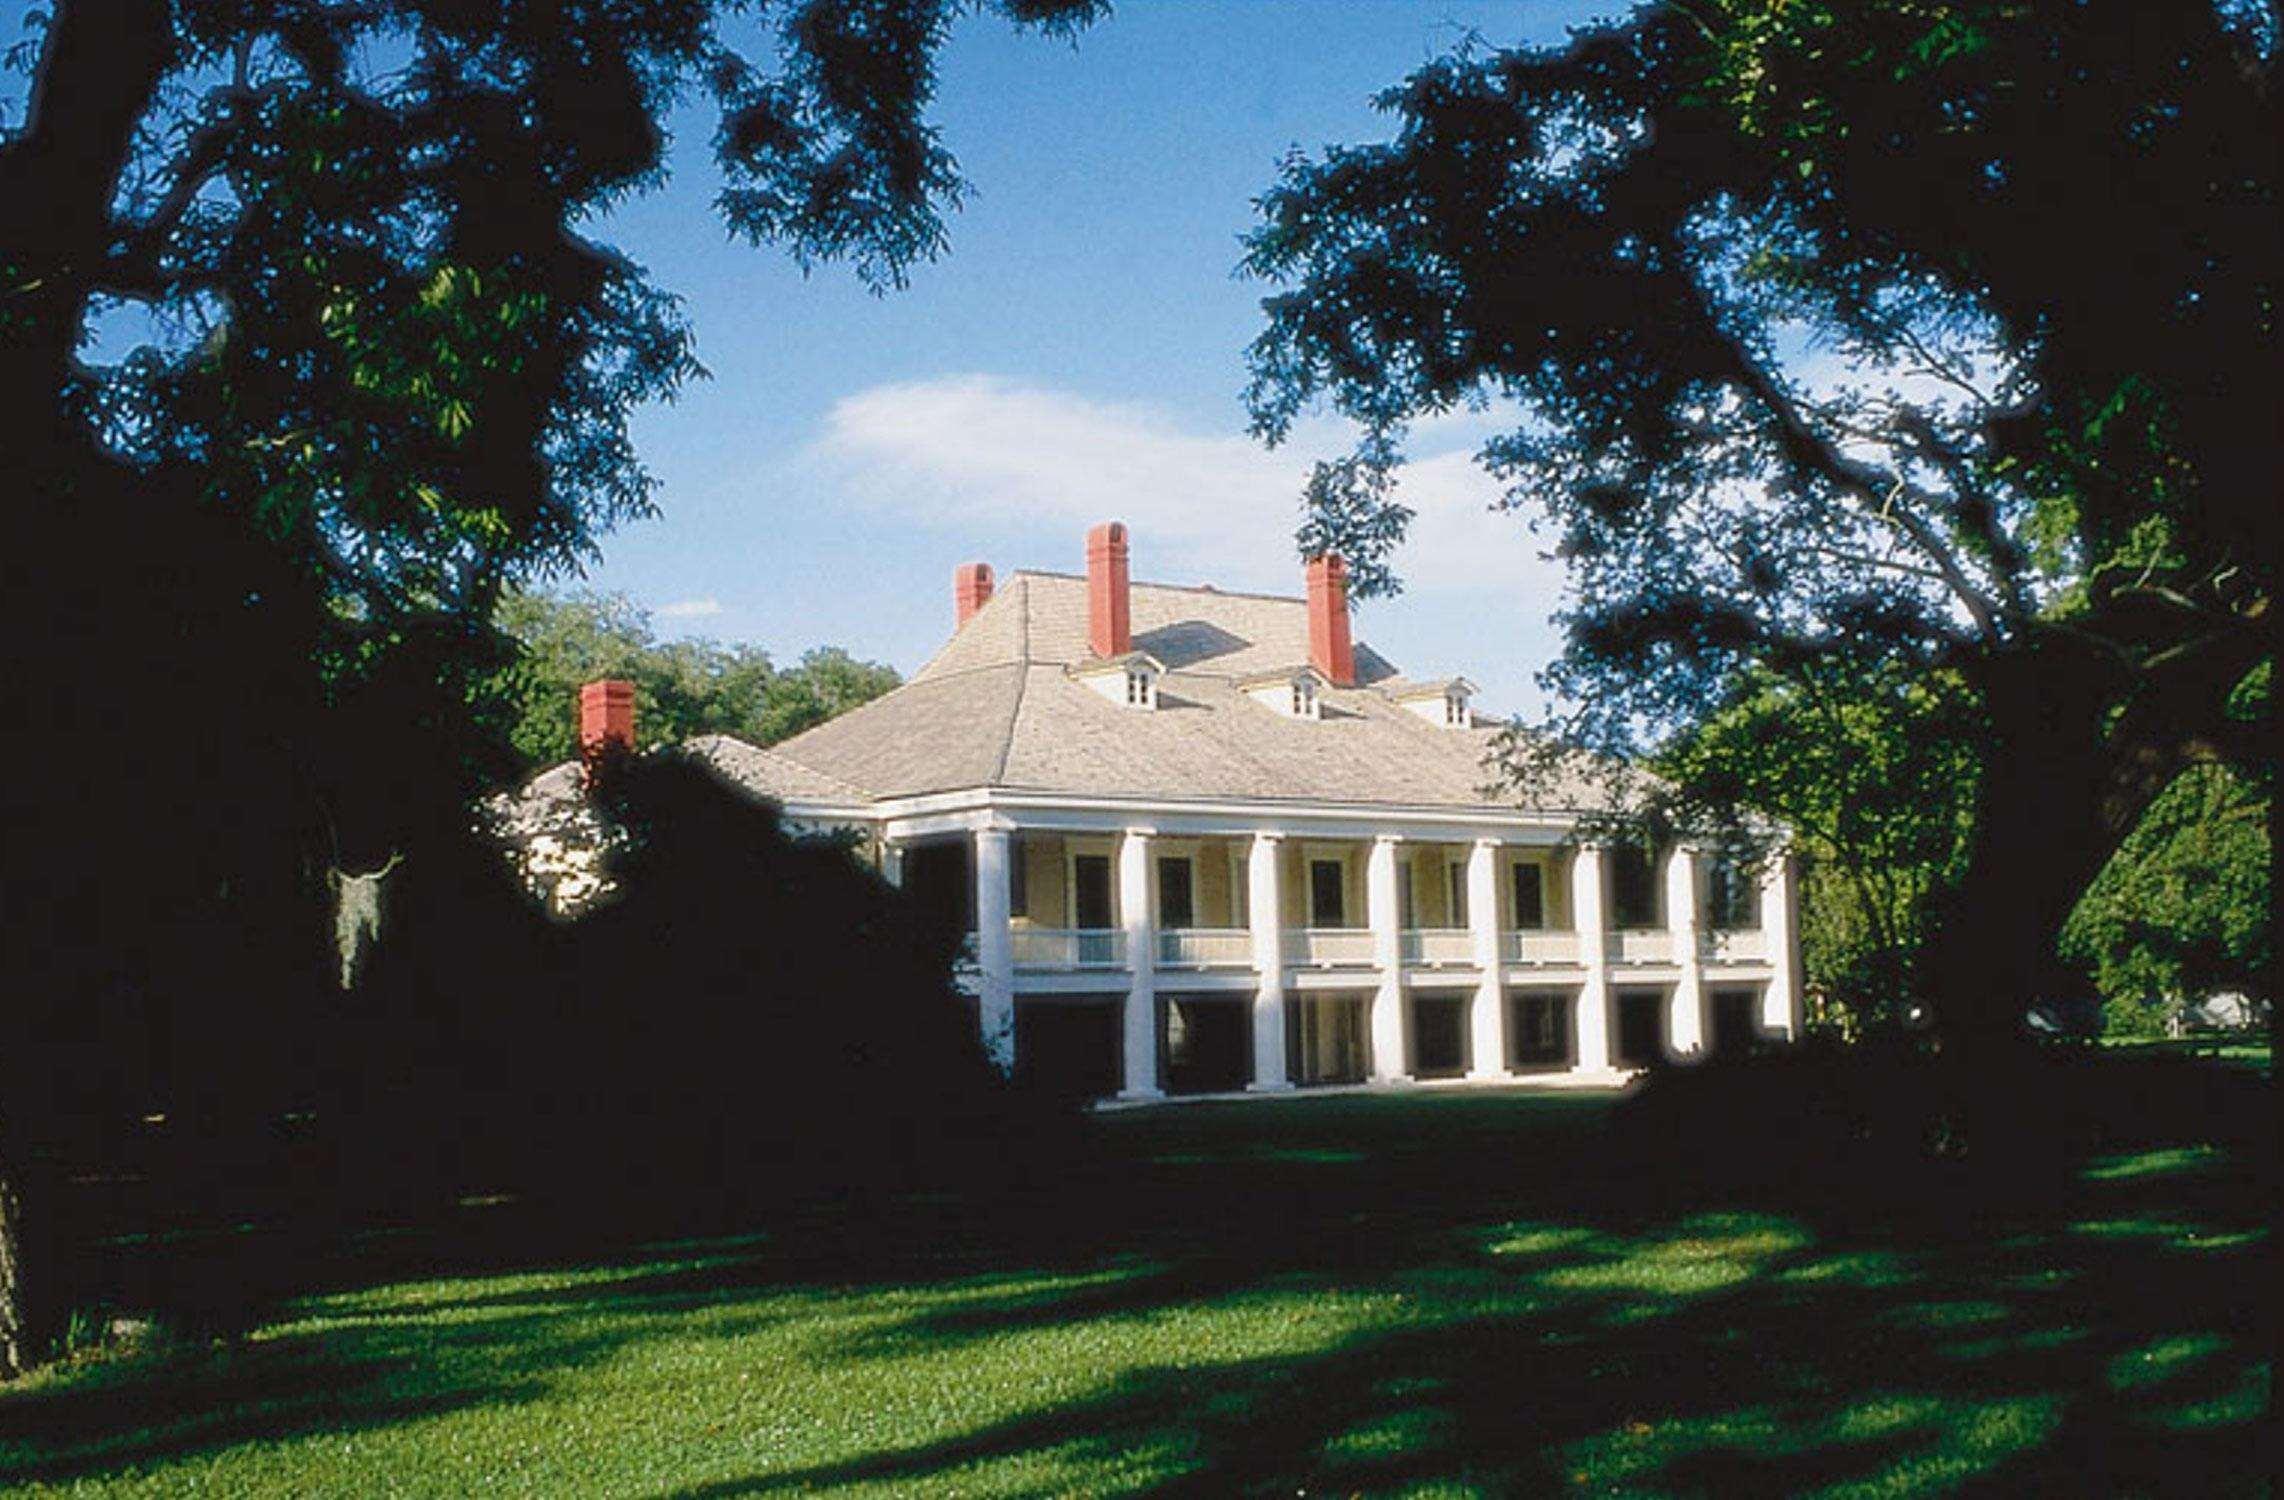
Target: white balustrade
<point>1329,947</point>
<point>1438,947</point>
<point>1205,948</point>
<point>1539,946</point>
<point>1738,946</point>
<point>1641,946</point>
<point>1069,948</point>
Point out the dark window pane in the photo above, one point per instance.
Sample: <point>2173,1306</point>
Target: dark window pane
<point>1018,878</point>
<point>1326,908</point>
<point>1633,887</point>
<point>1407,910</point>
<point>1530,897</point>
<point>1177,907</point>
<point>1090,890</point>
<point>1540,1030</point>
<point>1732,896</point>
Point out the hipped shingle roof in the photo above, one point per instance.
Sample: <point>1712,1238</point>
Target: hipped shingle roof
<point>995,708</point>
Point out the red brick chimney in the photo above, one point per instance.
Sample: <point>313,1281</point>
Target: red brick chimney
<point>1109,626</point>
<point>1330,650</point>
<point>971,590</point>
<point>606,719</point>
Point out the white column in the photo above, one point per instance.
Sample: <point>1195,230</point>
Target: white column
<point>1780,937</point>
<point>1389,1064</point>
<point>892,863</point>
<point>994,950</point>
<point>1487,1015</point>
<point>1587,914</point>
<point>1140,1024</point>
<point>1267,915</point>
<point>1685,1019</point>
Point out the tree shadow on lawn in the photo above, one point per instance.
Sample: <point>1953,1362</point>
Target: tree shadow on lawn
<point>1716,1351</point>
<point>1358,1299</point>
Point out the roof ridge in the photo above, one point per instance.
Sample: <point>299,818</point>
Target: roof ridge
<point>1014,713</point>
<point>1214,590</point>
<point>773,753</point>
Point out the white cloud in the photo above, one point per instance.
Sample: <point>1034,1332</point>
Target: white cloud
<point>690,609</point>
<point>976,449</point>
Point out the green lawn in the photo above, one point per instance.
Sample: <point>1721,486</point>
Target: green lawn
<point>1426,1295</point>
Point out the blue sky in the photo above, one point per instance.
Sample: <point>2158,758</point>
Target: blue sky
<point>1078,356</point>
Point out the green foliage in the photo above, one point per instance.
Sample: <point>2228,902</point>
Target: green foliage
<point>1875,780</point>
<point>1812,371</point>
<point>683,688</point>
<point>2182,909</point>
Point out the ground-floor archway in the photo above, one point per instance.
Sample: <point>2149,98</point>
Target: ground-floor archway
<point>1736,1019</point>
<point>1205,1043</point>
<point>1069,1046</point>
<point>1541,1037</point>
<point>1641,1035</point>
<point>1437,1020</point>
<point>1326,1038</point>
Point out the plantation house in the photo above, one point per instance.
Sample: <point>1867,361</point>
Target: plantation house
<point>1206,842</point>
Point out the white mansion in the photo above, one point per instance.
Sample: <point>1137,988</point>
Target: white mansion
<point>1207,843</point>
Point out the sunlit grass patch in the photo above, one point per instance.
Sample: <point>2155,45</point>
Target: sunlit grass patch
<point>2162,1359</point>
<point>1700,1255</point>
<point>1541,1239</point>
<point>1896,1444</point>
<point>1389,1434</point>
<point>1869,1269</point>
<point>2169,1162</point>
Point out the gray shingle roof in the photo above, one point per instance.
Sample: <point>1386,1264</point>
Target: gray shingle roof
<point>1041,617</point>
<point>995,708</point>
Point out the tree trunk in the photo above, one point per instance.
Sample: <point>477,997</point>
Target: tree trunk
<point>30,1300</point>
<point>2039,839</point>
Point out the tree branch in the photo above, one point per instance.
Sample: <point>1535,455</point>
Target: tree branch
<point>1810,450</point>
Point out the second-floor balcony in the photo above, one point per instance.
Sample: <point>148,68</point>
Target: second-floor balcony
<point>1641,945</point>
<point>1736,946</point>
<point>1328,948</point>
<point>1205,948</point>
<point>1069,948</point>
<point>1082,949</point>
<point>1438,947</point>
<point>1539,946</point>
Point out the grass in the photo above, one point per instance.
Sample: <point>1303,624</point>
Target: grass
<point>1426,1296</point>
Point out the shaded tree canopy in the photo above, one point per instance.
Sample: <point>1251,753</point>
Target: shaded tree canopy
<point>1858,336</point>
<point>683,687</point>
<point>383,371</point>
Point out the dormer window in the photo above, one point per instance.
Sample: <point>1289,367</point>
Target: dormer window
<point>1445,703</point>
<point>1130,681</point>
<point>1296,694</point>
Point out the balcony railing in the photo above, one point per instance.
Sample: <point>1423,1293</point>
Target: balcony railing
<point>1743,945</point>
<point>1537,946</point>
<point>1205,948</point>
<point>1438,947</point>
<point>1329,947</point>
<point>1069,948</point>
<point>1641,946</point>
